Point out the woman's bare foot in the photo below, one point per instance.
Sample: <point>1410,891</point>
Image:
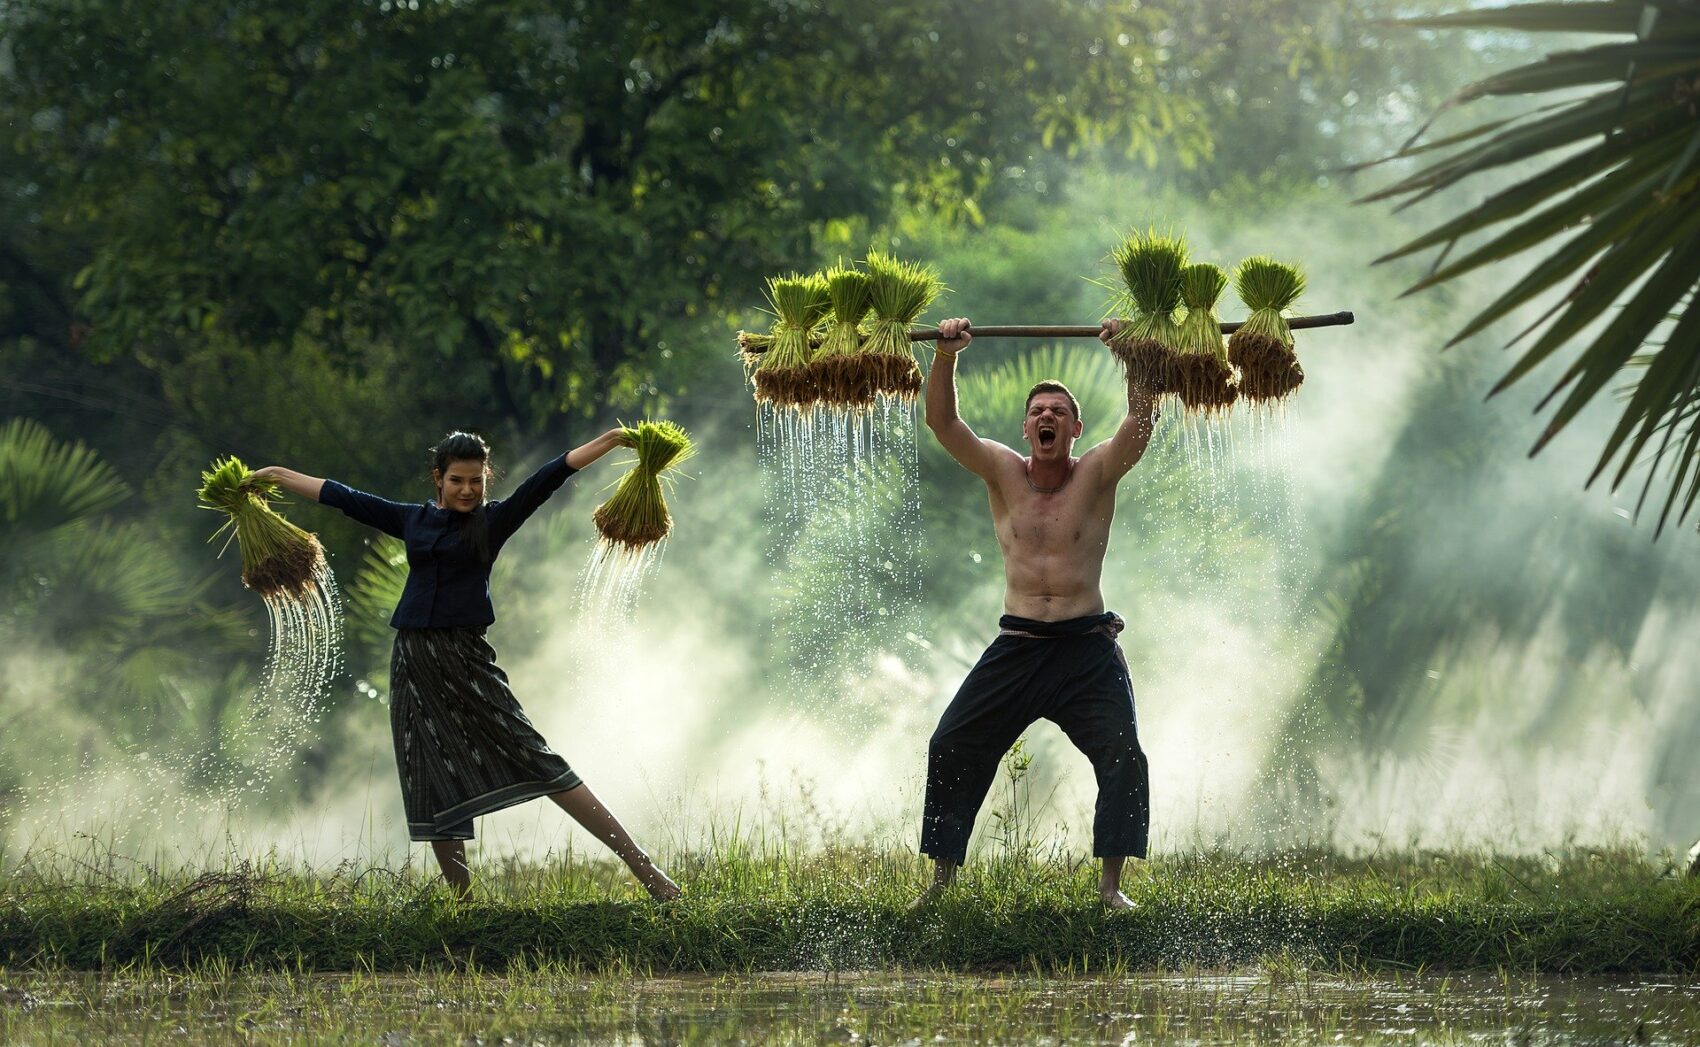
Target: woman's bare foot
<point>933,893</point>
<point>1115,899</point>
<point>659,885</point>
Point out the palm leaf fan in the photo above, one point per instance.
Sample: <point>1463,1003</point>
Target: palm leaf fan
<point>1613,226</point>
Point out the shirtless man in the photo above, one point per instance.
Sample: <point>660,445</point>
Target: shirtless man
<point>1056,655</point>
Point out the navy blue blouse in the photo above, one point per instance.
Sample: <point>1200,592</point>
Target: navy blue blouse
<point>447,587</point>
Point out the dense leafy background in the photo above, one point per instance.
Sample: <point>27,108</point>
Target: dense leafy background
<point>323,233</point>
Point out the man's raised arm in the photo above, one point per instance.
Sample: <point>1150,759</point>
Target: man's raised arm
<point>1127,445</point>
<point>939,406</point>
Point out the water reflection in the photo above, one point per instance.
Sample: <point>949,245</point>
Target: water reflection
<point>554,1006</point>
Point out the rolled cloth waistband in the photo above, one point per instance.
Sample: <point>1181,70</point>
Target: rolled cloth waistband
<point>1109,623</point>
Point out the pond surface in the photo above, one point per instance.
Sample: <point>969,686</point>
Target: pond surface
<point>548,1006</point>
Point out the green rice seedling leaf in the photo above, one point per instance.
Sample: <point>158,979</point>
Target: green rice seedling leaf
<point>900,292</point>
<point>1150,265</point>
<point>798,303</point>
<point>1262,348</point>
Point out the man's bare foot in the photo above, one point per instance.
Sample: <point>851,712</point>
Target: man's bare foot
<point>1114,899</point>
<point>933,893</point>
<point>659,885</point>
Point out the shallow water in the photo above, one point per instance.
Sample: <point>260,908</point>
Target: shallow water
<point>557,1006</point>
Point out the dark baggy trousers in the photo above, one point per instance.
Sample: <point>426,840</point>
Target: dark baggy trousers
<point>1071,673</point>
<point>463,745</point>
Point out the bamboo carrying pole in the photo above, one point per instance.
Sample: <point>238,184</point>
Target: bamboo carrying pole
<point>1297,323</point>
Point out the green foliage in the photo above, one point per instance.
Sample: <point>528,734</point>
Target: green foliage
<point>545,199</point>
<point>1201,330</point>
<point>1636,256</point>
<point>798,304</point>
<point>374,594</point>
<point>46,484</point>
<point>851,292</point>
<point>140,634</point>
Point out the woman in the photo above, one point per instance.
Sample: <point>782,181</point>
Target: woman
<point>463,745</point>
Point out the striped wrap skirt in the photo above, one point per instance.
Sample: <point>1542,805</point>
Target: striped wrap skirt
<point>463,745</point>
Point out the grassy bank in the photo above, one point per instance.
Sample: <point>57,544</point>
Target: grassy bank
<point>1580,912</point>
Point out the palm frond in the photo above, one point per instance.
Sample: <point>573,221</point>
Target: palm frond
<point>46,483</point>
<point>1619,218</point>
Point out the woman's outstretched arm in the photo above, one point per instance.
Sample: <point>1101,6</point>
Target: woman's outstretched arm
<point>507,515</point>
<point>298,484</point>
<point>585,454</point>
<point>387,516</point>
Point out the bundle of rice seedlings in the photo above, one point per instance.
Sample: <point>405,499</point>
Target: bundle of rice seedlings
<point>841,372</point>
<point>781,375</point>
<point>1199,371</point>
<point>279,559</point>
<point>287,567</point>
<point>1263,347</point>
<point>900,292</point>
<point>636,516</point>
<point>1150,265</point>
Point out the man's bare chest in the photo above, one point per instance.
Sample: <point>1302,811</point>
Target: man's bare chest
<point>1054,522</point>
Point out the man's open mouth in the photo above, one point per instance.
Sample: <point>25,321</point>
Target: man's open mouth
<point>1047,436</point>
